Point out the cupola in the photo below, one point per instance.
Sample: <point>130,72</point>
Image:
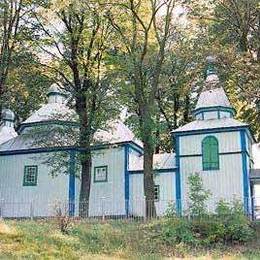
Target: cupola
<point>8,117</point>
<point>213,102</point>
<point>56,95</point>
<point>7,130</point>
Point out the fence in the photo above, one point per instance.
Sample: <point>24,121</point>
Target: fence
<point>104,209</point>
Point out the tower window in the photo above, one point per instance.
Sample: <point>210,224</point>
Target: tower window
<point>30,175</point>
<point>210,153</point>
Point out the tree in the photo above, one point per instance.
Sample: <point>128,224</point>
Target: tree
<point>181,80</point>
<point>198,196</point>
<point>232,31</point>
<point>26,85</point>
<point>10,15</point>
<point>144,35</point>
<point>76,41</point>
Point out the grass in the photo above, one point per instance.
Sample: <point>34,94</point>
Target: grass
<point>111,240</point>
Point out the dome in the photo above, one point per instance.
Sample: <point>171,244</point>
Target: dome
<point>213,98</point>
<point>8,115</point>
<point>55,110</point>
<point>55,89</point>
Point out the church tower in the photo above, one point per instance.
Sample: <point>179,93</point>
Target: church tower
<point>214,145</point>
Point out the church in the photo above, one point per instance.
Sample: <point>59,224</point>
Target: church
<point>214,145</point>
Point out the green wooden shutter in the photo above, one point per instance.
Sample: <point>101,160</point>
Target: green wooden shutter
<point>210,153</point>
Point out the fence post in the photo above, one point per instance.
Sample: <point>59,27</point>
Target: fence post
<point>31,210</point>
<point>102,208</point>
<point>1,208</point>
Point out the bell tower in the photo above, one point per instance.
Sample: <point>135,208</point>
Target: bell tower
<point>214,145</point>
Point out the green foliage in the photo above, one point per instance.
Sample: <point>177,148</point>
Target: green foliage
<point>236,224</point>
<point>198,196</point>
<point>228,226</point>
<point>171,210</point>
<point>167,237</point>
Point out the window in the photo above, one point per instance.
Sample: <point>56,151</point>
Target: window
<point>210,153</point>
<point>30,175</point>
<point>100,174</point>
<point>156,192</point>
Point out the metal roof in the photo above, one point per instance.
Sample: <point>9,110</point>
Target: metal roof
<point>55,136</point>
<point>213,98</point>
<point>210,124</point>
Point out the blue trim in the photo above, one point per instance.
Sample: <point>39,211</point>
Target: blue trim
<point>215,108</point>
<point>126,179</point>
<point>212,130</point>
<point>203,116</point>
<point>218,114</point>
<point>169,170</point>
<point>245,170</point>
<point>65,148</point>
<point>178,177</point>
<point>225,153</point>
<point>136,149</point>
<point>47,122</point>
<point>54,93</point>
<point>72,168</point>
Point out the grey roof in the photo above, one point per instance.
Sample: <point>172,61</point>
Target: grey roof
<point>6,133</point>
<point>8,114</point>
<point>255,173</point>
<point>160,161</point>
<point>61,136</point>
<point>213,98</point>
<point>53,111</point>
<point>31,140</point>
<point>210,124</point>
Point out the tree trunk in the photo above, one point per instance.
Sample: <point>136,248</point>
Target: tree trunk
<point>157,134</point>
<point>86,164</point>
<point>86,158</point>
<point>186,109</point>
<point>1,101</point>
<point>147,138</point>
<point>150,210</point>
<point>175,110</point>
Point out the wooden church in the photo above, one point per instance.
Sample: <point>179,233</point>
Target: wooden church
<point>215,145</point>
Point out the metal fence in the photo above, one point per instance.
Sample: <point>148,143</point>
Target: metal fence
<point>103,209</point>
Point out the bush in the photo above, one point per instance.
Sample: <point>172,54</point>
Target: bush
<point>229,225</point>
<point>198,196</point>
<point>237,225</point>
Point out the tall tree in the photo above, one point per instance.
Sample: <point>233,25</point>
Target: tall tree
<point>76,41</point>
<point>232,30</point>
<point>10,15</point>
<point>143,29</point>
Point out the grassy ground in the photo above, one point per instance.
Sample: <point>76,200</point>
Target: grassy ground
<point>112,240</point>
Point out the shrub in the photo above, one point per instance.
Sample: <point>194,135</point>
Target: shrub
<point>228,225</point>
<point>237,225</point>
<point>198,196</point>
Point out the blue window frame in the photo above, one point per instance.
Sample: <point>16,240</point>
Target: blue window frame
<point>30,175</point>
<point>100,174</point>
<point>210,153</point>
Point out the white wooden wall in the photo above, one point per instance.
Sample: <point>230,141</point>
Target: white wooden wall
<point>166,181</point>
<point>226,183</point>
<point>107,198</point>
<point>22,201</point>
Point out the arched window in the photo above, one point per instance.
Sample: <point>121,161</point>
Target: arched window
<point>210,153</point>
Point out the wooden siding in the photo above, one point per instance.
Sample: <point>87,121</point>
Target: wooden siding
<point>228,142</point>
<point>166,181</point>
<point>225,183</point>
<point>107,198</point>
<point>23,201</point>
